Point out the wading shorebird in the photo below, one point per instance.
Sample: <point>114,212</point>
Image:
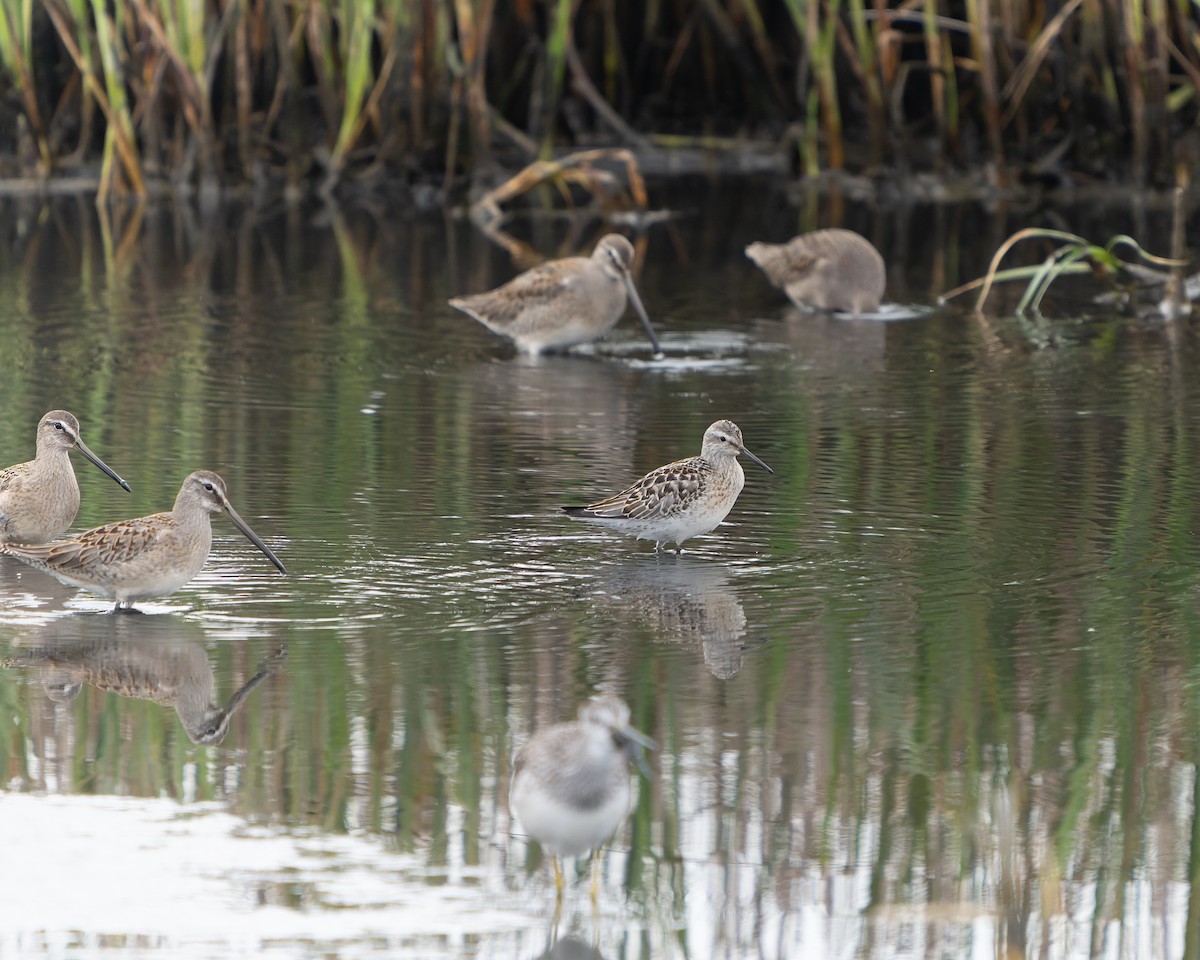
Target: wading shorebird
<point>147,557</point>
<point>563,302</point>
<point>39,498</point>
<point>571,785</point>
<point>681,500</point>
<point>826,270</point>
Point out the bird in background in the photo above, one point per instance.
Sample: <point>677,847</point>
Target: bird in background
<point>40,498</point>
<point>825,270</point>
<point>562,303</point>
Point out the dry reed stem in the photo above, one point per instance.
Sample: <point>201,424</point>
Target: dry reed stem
<point>14,45</point>
<point>1018,84</point>
<point>979,16</point>
<point>937,78</point>
<point>581,83</point>
<point>487,207</point>
<point>1135,67</point>
<point>999,255</point>
<point>117,133</point>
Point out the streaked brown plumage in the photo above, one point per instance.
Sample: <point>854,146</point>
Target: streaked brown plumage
<point>145,557</point>
<point>826,269</point>
<point>562,303</point>
<point>682,499</point>
<point>40,498</point>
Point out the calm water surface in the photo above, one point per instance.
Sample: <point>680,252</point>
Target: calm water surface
<point>931,691</point>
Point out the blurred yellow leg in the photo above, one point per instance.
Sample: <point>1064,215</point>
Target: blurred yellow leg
<point>595,879</point>
<point>559,881</point>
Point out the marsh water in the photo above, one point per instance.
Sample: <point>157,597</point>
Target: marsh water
<point>931,691</point>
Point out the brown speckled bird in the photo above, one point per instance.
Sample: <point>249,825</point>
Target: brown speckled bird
<point>562,303</point>
<point>682,499</point>
<point>146,557</point>
<point>826,270</point>
<point>39,498</point>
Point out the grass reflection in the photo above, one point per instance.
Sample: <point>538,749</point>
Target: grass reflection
<point>934,688</point>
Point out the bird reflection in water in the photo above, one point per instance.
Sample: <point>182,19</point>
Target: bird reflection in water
<point>570,947</point>
<point>688,602</point>
<point>145,658</point>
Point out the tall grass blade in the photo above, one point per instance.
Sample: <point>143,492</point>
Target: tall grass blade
<point>980,19</point>
<point>356,60</point>
<point>556,65</point>
<point>868,70</point>
<point>822,39</point>
<point>16,55</point>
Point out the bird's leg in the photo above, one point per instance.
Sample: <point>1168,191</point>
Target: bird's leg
<point>559,881</point>
<point>554,921</point>
<point>595,888</point>
<point>658,546</point>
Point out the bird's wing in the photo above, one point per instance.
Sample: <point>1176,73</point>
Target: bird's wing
<point>534,288</point>
<point>658,493</point>
<point>112,543</point>
<point>11,478</point>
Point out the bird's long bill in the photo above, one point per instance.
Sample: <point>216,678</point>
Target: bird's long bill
<point>83,448</point>
<point>254,538</point>
<point>636,743</point>
<point>642,315</point>
<point>218,726</point>
<point>756,460</point>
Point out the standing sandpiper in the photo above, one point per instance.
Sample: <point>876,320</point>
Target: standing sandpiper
<point>143,558</point>
<point>825,270</point>
<point>563,302</point>
<point>681,500</point>
<point>571,782</point>
<point>39,498</point>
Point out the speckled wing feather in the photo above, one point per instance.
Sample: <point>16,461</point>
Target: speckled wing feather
<point>10,477</point>
<point>112,543</point>
<point>522,297</point>
<point>659,493</point>
<point>11,481</point>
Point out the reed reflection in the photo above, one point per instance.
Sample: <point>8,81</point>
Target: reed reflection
<point>584,405</point>
<point>140,657</point>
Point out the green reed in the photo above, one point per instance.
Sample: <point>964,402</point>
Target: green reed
<point>355,49</point>
<point>197,92</point>
<point>17,60</point>
<point>1073,256</point>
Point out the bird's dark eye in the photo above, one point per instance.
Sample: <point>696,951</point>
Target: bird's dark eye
<point>209,487</point>
<point>58,425</point>
<point>724,439</point>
